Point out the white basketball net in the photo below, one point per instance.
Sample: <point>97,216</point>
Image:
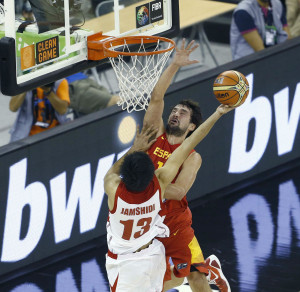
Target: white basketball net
<point>137,75</point>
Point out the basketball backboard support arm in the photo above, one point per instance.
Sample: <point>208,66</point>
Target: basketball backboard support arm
<point>8,65</point>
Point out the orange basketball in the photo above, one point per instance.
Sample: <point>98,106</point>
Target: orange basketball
<point>231,87</point>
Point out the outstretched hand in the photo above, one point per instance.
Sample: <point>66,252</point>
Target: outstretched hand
<point>182,54</point>
<point>224,109</point>
<point>144,139</point>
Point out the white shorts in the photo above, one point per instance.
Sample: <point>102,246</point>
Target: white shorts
<point>138,272</point>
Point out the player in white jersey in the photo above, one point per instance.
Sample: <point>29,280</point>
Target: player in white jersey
<point>135,260</point>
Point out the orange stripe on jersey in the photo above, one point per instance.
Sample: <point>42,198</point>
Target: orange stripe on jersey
<point>63,91</point>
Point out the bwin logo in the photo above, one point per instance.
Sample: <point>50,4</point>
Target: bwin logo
<point>84,195</point>
<point>284,118</point>
<point>156,6</point>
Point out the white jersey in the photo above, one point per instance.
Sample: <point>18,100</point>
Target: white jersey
<point>135,219</point>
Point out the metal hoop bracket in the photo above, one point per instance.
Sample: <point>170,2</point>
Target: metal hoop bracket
<point>102,46</point>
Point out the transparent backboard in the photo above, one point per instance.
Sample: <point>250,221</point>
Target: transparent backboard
<point>53,37</point>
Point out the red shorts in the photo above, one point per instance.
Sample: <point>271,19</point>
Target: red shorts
<point>182,246</point>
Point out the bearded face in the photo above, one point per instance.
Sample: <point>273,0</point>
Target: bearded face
<point>173,128</point>
<point>179,121</point>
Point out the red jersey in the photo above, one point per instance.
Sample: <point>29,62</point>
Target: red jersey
<point>159,153</point>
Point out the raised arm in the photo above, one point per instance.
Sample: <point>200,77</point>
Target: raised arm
<point>155,109</point>
<point>142,142</point>
<point>167,173</point>
<point>60,99</point>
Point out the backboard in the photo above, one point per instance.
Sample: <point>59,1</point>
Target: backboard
<point>54,44</point>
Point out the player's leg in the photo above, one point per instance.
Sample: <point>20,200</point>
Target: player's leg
<point>112,271</point>
<point>183,248</point>
<point>205,273</point>
<point>198,282</point>
<point>173,282</point>
<point>157,265</point>
<point>198,270</point>
<point>171,248</point>
<point>141,271</point>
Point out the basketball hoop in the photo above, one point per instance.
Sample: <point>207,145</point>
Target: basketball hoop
<point>138,62</point>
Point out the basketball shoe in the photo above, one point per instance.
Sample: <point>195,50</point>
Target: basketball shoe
<point>215,275</point>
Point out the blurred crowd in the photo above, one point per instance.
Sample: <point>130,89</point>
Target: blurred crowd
<point>57,103</point>
<point>255,25</point>
<point>259,24</point>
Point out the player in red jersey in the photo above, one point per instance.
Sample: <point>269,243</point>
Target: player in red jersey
<point>182,245</point>
<point>136,259</point>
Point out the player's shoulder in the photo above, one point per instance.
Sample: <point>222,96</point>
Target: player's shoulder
<point>111,183</point>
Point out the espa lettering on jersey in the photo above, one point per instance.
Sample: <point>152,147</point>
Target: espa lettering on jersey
<point>161,153</point>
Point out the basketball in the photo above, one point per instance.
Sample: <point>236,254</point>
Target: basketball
<point>231,88</point>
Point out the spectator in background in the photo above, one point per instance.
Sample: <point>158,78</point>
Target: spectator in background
<point>256,25</point>
<point>27,13</point>
<point>49,14</point>
<point>87,96</point>
<point>293,16</point>
<point>40,109</point>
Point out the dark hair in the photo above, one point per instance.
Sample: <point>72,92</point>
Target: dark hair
<point>196,116</point>
<point>137,171</point>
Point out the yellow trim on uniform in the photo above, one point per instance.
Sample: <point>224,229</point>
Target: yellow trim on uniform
<point>197,255</point>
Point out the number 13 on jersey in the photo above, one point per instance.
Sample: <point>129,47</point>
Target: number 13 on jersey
<point>141,227</point>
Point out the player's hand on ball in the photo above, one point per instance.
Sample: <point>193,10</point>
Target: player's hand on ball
<point>231,87</point>
<point>224,109</point>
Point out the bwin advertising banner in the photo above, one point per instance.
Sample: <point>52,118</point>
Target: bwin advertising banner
<point>51,192</point>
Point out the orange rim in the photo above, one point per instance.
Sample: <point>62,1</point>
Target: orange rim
<point>109,45</point>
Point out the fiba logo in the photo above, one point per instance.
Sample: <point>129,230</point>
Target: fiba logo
<point>156,6</point>
<point>143,15</point>
<point>2,13</point>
